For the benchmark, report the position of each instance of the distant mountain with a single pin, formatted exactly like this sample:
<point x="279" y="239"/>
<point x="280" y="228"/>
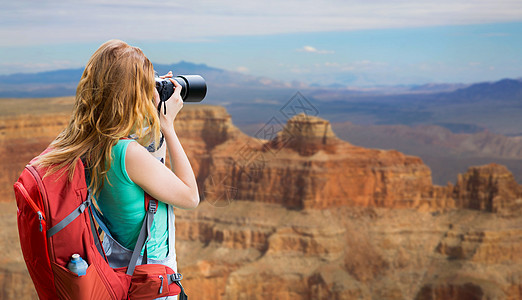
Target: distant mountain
<point x="437" y="87"/>
<point x="72" y="76"/>
<point x="63" y="82"/>
<point x="68" y="76"/>
<point x="495" y="106"/>
<point x="505" y="89"/>
<point x="44" y="84"/>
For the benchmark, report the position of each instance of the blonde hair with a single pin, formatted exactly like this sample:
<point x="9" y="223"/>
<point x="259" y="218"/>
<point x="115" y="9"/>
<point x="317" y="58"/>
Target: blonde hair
<point x="114" y="99"/>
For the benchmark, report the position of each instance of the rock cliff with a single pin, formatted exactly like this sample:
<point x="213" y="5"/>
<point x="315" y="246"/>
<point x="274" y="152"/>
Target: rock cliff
<point x="307" y="166"/>
<point x="252" y="250"/>
<point x="489" y="188"/>
<point x="22" y="138"/>
<point x="305" y="215"/>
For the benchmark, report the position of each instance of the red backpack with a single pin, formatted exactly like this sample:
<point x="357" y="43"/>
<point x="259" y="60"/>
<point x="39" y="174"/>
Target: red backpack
<point x="55" y="221"/>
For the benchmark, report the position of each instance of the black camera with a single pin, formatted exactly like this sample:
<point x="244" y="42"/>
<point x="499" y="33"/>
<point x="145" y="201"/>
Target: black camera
<point x="194" y="88"/>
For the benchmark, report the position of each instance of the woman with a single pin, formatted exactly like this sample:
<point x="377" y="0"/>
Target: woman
<point x="116" y="98"/>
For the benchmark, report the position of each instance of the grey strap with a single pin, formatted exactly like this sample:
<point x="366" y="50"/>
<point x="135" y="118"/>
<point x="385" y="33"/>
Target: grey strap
<point x="71" y="217"/>
<point x="144" y="236"/>
<point x="182" y="295"/>
<point x="176" y="278"/>
<point x="100" y="220"/>
<point x="96" y="234"/>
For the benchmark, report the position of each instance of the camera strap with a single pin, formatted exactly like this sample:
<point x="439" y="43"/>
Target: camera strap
<point x="164" y="107"/>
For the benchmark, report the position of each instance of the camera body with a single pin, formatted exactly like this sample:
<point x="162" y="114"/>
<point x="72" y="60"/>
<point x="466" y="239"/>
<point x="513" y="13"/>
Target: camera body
<point x="194" y="88"/>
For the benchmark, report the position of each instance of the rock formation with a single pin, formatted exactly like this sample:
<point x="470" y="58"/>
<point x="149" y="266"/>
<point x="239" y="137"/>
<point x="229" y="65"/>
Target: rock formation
<point x="306" y="215"/>
<point x="306" y="135"/>
<point x="307" y="166"/>
<point x="489" y="188"/>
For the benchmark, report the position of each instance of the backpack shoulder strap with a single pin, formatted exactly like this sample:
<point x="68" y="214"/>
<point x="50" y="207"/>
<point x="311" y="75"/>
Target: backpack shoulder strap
<point x="144" y="235"/>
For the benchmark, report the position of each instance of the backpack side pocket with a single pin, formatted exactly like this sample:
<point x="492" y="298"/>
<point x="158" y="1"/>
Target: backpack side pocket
<point x="71" y="286"/>
<point x="152" y="281"/>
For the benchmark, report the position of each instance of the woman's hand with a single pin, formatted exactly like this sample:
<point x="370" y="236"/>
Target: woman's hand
<point x="168" y="75"/>
<point x="173" y="105"/>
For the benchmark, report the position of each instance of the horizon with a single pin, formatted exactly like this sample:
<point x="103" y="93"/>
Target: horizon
<point x="348" y="43"/>
<point x="389" y="88"/>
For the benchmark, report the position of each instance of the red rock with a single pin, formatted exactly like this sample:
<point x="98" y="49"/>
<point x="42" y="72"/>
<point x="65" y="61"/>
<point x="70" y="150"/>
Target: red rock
<point x="489" y="188"/>
<point x="306" y="166"/>
<point x="307" y="215"/>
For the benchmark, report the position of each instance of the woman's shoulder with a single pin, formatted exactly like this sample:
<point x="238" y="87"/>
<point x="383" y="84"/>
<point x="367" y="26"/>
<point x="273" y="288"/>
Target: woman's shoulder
<point x="122" y="145"/>
<point x="125" y="142"/>
<point x="134" y="153"/>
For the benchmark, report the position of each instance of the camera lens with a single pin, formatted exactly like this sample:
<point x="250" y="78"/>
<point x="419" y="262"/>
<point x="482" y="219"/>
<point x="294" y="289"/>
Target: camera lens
<point x="194" y="88"/>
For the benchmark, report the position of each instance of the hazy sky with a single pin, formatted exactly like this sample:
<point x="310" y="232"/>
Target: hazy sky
<point x="359" y="43"/>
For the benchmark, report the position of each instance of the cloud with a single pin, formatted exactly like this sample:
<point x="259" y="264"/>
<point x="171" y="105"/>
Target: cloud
<point x="311" y="49"/>
<point x="53" y="21"/>
<point x="242" y="69"/>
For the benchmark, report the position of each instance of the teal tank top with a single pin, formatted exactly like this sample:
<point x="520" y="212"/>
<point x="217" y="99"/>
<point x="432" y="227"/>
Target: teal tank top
<point x="121" y="202"/>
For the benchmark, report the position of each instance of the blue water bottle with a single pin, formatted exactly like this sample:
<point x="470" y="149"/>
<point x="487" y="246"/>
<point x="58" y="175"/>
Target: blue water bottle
<point x="77" y="265"/>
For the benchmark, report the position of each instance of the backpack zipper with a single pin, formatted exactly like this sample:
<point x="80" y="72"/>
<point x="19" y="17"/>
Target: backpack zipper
<point x="33" y="205"/>
<point x="40" y="217"/>
<point x="45" y="205"/>
<point x="161" y="284"/>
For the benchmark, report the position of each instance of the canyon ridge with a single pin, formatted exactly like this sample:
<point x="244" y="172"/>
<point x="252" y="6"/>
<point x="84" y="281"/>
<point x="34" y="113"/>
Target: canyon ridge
<point x="304" y="214"/>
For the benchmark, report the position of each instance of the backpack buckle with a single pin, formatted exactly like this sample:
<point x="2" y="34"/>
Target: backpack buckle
<point x="153" y="206"/>
<point x="175" y="277"/>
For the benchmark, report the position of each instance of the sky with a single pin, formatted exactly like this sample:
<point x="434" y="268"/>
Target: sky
<point x="351" y="42"/>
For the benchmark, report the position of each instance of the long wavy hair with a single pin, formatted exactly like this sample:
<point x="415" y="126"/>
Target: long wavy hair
<point x="114" y="99"/>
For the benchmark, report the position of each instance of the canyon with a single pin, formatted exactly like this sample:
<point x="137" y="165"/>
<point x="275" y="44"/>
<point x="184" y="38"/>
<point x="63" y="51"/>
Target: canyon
<point x="445" y="152"/>
<point x="304" y="214"/>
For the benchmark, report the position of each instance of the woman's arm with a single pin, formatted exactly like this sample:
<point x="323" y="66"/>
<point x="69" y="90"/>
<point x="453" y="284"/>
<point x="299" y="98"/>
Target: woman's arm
<point x="177" y="187"/>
